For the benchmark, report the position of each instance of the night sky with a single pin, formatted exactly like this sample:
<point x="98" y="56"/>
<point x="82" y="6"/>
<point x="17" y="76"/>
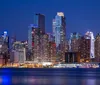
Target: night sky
<point x="17" y="15"/>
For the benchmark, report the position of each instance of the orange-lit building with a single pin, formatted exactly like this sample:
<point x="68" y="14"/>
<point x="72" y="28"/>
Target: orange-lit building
<point x="97" y="48"/>
<point x="52" y="51"/>
<point x="85" y="50"/>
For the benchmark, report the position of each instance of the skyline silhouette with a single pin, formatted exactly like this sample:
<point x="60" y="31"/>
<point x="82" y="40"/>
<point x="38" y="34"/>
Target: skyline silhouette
<point x="16" y="16"/>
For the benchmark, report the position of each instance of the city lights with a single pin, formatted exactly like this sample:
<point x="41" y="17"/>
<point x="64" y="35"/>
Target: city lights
<point x="51" y="50"/>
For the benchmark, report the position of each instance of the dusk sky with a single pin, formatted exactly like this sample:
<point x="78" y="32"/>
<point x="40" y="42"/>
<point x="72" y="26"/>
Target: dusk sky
<point x="17" y="15"/>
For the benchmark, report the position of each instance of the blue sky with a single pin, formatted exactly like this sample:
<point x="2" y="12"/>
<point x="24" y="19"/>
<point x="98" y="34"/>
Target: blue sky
<point x="17" y="15"/>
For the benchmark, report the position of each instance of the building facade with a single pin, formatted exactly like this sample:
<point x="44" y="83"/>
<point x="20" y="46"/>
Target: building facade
<point x="85" y="47"/>
<point x="18" y="52"/>
<point x="4" y="48"/>
<point x="45" y="48"/>
<point x="67" y="46"/>
<point x="97" y="48"/>
<point x="59" y="29"/>
<point x="59" y="33"/>
<point x="72" y="57"/>
<point x="36" y="44"/>
<point x="75" y="39"/>
<point x="89" y="35"/>
<point x="40" y="45"/>
<point x="39" y="21"/>
<point x="52" y="51"/>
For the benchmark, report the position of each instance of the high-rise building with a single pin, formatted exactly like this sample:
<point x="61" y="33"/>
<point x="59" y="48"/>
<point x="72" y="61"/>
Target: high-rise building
<point x="75" y="42"/>
<point x="39" y="21"/>
<point x="72" y="57"/>
<point x="30" y="36"/>
<point x="54" y="27"/>
<point x="51" y="37"/>
<point x="38" y="42"/>
<point x="52" y="51"/>
<point x="36" y="45"/>
<point x="45" y="48"/>
<point x="85" y="49"/>
<point x="97" y="48"/>
<point x="89" y="35"/>
<point x="67" y="46"/>
<point x="59" y="33"/>
<point x="31" y="33"/>
<point x="4" y="47"/>
<point x="59" y="29"/>
<point x="2" y="57"/>
<point x="19" y="52"/>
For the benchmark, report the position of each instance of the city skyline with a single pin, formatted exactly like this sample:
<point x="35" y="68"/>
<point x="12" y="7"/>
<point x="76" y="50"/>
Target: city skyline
<point x="50" y="42"/>
<point x="79" y="17"/>
<point x="44" y="47"/>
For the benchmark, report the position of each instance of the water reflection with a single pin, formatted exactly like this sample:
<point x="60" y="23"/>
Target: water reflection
<point x="64" y="78"/>
<point x="30" y="80"/>
<point x="91" y="82"/>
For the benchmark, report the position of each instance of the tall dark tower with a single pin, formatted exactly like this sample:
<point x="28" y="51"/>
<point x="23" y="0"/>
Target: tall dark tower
<point x="39" y="21"/>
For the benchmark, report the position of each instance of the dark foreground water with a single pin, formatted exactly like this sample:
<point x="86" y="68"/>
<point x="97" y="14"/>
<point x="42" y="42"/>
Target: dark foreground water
<point x="48" y="76"/>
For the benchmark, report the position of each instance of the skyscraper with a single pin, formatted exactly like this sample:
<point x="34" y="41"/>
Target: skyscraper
<point x="30" y="37"/>
<point x="39" y="21"/>
<point x="59" y="29"/>
<point x="59" y="33"/>
<point x="19" y="52"/>
<point x="89" y="35"/>
<point x="4" y="46"/>
<point x="31" y="42"/>
<point x="52" y="51"/>
<point x="36" y="35"/>
<point x="97" y="48"/>
<point x="85" y="49"/>
<point x="45" y="48"/>
<point x="67" y="46"/>
<point x="75" y="42"/>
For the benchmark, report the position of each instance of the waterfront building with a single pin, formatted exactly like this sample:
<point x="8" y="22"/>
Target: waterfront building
<point x="52" y="51"/>
<point x="36" y="44"/>
<point x="72" y="57"/>
<point x="30" y="37"/>
<point x="31" y="33"/>
<point x="2" y="60"/>
<point x="59" y="33"/>
<point x="97" y="48"/>
<point x="75" y="42"/>
<point x="89" y="35"/>
<point x="4" y="47"/>
<point x="18" y="52"/>
<point x="59" y="28"/>
<point x="39" y="43"/>
<point x="67" y="46"/>
<point x="45" y="48"/>
<point x="85" y="49"/>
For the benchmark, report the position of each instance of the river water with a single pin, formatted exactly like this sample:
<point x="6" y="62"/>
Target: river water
<point x="48" y="76"/>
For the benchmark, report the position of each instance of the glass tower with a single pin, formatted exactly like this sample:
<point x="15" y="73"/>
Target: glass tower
<point x="59" y="29"/>
<point x="91" y="37"/>
<point x="39" y="21"/>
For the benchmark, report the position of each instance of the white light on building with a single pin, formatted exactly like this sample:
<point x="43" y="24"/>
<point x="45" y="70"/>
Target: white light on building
<point x="60" y="14"/>
<point x="90" y="34"/>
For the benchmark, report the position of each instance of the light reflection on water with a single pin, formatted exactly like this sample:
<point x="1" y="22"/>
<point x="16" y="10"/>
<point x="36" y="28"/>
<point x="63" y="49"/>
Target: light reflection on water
<point x="30" y="80"/>
<point x="73" y="79"/>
